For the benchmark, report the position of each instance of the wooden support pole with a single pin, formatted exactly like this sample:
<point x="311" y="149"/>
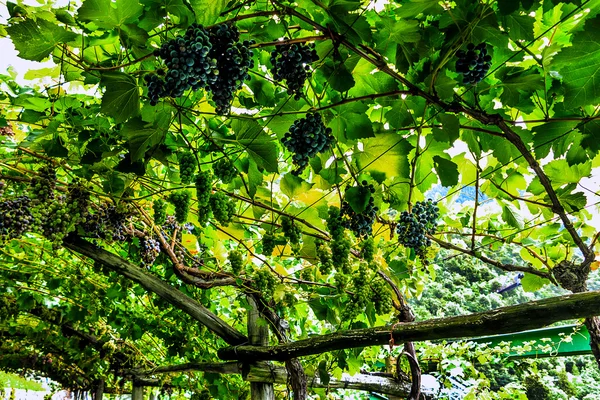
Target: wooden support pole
<point x="99" y="392"/>
<point x="258" y="335"/>
<point x="137" y="392"/>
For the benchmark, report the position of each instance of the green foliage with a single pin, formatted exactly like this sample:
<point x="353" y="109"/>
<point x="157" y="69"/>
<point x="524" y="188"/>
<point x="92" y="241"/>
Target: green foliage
<point x="329" y="140"/>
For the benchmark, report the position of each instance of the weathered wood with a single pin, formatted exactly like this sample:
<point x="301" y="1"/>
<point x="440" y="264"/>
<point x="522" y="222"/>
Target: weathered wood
<point x="99" y="392"/>
<point x="531" y="315"/>
<point x="258" y="334"/>
<point x="156" y="285"/>
<point x="137" y="393"/>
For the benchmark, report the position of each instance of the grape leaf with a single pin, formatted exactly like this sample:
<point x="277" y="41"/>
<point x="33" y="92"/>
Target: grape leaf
<point x="121" y="99"/>
<point x="141" y="136"/>
<point x="447" y="171"/>
<point x="579" y="66"/>
<point x="259" y="145"/>
<point x="511" y="216"/>
<point x="358" y="197"/>
<point x="351" y="122"/>
<point x="387" y="154"/>
<point x="207" y="11"/>
<point x="108" y="15"/>
<point x="35" y="39"/>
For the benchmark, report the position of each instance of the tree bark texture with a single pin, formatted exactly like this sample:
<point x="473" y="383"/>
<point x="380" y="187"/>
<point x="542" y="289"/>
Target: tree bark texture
<point x="531" y="315"/>
<point x="259" y="335"/>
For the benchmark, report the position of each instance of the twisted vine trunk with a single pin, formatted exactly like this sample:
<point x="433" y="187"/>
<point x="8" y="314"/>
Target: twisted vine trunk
<point x="573" y="277"/>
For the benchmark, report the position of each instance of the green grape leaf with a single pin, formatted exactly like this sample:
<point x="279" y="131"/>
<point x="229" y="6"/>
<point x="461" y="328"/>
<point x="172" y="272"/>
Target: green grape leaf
<point x="387" y="154"/>
<point x="351" y="122"/>
<point x="358" y="197"/>
<point x="560" y="172"/>
<point x="255" y="178"/>
<point x="292" y="185"/>
<point x="208" y="11"/>
<point x="338" y="76"/>
<point x="121" y="100"/>
<point x="579" y="66"/>
<point x="511" y="216"/>
<point x="141" y="136"/>
<point x="533" y="283"/>
<point x="447" y="171"/>
<point x="259" y="145"/>
<point x="323" y="373"/>
<point x="108" y="15"/>
<point x="449" y="131"/>
<point x="35" y="39"/>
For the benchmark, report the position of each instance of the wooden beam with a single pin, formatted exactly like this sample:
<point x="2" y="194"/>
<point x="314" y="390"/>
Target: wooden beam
<point x="155" y="285"/>
<point x="517" y="318"/>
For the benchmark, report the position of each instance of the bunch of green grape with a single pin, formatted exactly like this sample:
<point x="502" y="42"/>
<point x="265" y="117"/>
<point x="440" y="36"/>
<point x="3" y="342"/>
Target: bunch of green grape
<point x="222" y="208"/>
<point x="181" y="201"/>
<point x="187" y="167"/>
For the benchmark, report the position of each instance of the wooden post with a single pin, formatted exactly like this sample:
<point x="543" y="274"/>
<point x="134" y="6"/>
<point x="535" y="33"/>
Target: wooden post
<point x="258" y="335"/>
<point x="99" y="392"/>
<point x="137" y="393"/>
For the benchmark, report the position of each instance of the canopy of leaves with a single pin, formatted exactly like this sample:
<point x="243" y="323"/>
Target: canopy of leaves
<point x="100" y="234"/>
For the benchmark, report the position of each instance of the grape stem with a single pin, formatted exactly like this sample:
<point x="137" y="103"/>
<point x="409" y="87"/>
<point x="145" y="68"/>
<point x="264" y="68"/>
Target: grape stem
<point x="289" y="41"/>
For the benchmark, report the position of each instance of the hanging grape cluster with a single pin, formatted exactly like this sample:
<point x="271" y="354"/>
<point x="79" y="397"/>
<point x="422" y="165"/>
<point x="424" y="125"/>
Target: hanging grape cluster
<point x="340" y="245"/>
<point x="414" y="226"/>
<point x="367" y="250"/>
<point x="15" y="217"/>
<point x="380" y="295"/>
<point x="268" y="244"/>
<point x="360" y="223"/>
<point x="324" y="256"/>
<point x="61" y="216"/>
<point x="159" y="207"/>
<point x="290" y="62"/>
<point x="264" y="282"/>
<point x="224" y="170"/>
<point x="2" y="187"/>
<point x="236" y="261"/>
<point x="181" y="201"/>
<point x="149" y="250"/>
<point x="233" y="59"/>
<point x="291" y="232"/>
<point x="306" y="138"/>
<point x="473" y="63"/>
<point x="203" y="185"/>
<point x="187" y="167"/>
<point x="108" y="222"/>
<point x="222" y="208"/>
<point x="44" y="184"/>
<point x="189" y="65"/>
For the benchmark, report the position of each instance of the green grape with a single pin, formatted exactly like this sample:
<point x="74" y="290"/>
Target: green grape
<point x="160" y="211"/>
<point x="325" y="261"/>
<point x="367" y="251"/>
<point x="268" y="244"/>
<point x="380" y="296"/>
<point x="236" y="261"/>
<point x="224" y="170"/>
<point x="187" y="167"/>
<point x="204" y="213"/>
<point x="181" y="201"/>
<point x="290" y="230"/>
<point x="264" y="282"/>
<point x="222" y="207"/>
<point x="340" y="250"/>
<point x="307" y="274"/>
<point x="289" y="299"/>
<point x="43" y="185"/>
<point x="334" y="223"/>
<point x="203" y="187"/>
